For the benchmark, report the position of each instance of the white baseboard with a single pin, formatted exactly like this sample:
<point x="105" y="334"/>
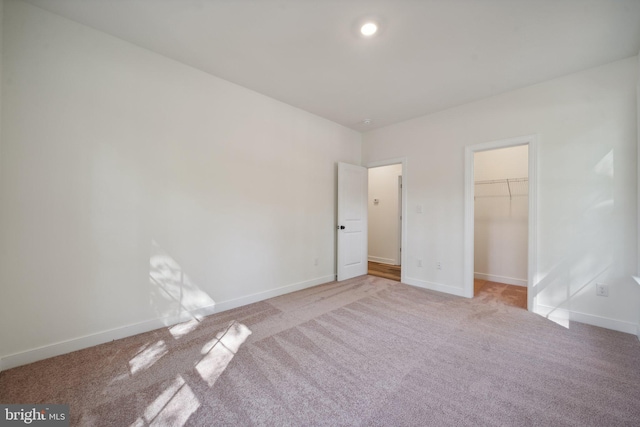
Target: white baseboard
<point x="637" y="279"/>
<point x="501" y="279"/>
<point x="79" y="343"/>
<point x="261" y="296"/>
<point x="562" y="315"/>
<point x="67" y="346"/>
<point x="382" y="260"/>
<point x="433" y="286"/>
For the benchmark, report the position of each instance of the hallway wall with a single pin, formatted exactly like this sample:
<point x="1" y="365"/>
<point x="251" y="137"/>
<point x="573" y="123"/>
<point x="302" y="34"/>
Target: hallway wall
<point x="384" y="221"/>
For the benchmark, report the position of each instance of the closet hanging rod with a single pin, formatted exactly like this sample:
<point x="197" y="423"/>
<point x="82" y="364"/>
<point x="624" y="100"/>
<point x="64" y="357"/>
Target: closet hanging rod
<point x="502" y="181"/>
<point x="506" y="187"/>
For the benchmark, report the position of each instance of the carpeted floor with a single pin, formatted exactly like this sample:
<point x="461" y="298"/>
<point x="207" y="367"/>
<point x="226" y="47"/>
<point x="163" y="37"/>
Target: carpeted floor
<point x="368" y="351"/>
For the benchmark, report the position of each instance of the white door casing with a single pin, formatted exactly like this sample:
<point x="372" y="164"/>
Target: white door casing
<point x="400" y="219"/>
<point x="352" y="221"/>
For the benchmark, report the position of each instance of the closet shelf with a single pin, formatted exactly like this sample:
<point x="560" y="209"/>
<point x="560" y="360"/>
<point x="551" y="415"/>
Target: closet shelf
<point x="512" y="187"/>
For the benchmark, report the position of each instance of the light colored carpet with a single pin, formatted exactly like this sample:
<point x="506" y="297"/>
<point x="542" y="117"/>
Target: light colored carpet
<point x="368" y="351"/>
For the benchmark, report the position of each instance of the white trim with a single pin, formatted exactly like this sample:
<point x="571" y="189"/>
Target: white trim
<point x="638" y="172"/>
<point x="405" y="185"/>
<point x="433" y="286"/>
<point x="383" y="260"/>
<point x="638" y="183"/>
<point x="388" y="162"/>
<point x="637" y="278"/>
<point x="532" y="271"/>
<point x="531" y="141"/>
<point x="400" y="220"/>
<point x="79" y="343"/>
<point x="261" y="296"/>
<point x="500" y="279"/>
<point x="1" y="72"/>
<point x="574" y="316"/>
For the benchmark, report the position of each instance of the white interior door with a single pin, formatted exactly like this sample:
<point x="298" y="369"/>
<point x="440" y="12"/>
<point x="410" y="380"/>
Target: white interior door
<point x="352" y="221"/>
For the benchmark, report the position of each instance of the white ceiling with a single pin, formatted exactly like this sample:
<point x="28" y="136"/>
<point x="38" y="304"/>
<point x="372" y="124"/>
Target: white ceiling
<point x="429" y="56"/>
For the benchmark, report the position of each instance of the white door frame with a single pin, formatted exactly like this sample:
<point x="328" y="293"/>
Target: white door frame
<point x="469" y="212"/>
<point x="401" y="219"/>
<point x="403" y="162"/>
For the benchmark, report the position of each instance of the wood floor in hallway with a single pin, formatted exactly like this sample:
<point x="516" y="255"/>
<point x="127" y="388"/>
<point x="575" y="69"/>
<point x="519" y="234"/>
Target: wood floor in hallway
<point x="387" y="271"/>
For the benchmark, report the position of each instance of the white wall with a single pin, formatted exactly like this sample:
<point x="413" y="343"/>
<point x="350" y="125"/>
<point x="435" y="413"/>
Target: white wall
<point x="501" y="163"/>
<point x="384" y="217"/>
<point x="501" y="216"/>
<point x="2" y="292"/>
<point x="586" y="128"/>
<point x="136" y="189"/>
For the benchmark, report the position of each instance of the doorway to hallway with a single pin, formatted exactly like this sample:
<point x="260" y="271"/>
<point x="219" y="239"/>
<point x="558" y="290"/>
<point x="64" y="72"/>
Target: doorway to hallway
<point x="384" y="207"/>
<point x="392" y="272"/>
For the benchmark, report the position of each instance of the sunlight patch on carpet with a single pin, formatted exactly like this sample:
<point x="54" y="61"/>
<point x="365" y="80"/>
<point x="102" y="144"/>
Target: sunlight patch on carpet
<point x="172" y="407"/>
<point x="147" y="357"/>
<point x="182" y="329"/>
<point x="219" y="352"/>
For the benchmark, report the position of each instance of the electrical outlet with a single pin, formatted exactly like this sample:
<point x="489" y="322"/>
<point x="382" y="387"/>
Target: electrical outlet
<point x="602" y="290"/>
<point x="438" y="265"/>
<point x="419" y="263"/>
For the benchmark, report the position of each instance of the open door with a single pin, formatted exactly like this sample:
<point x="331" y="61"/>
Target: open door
<point x="352" y="221"/>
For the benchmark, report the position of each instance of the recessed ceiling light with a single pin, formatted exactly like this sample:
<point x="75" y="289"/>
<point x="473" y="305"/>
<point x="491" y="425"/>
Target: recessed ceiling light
<point x="368" y="26"/>
<point x="369" y="29"/>
<point x="367" y="121"/>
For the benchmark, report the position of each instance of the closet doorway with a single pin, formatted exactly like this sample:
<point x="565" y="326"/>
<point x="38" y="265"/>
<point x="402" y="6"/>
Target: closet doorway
<point x="385" y="221"/>
<point x="501" y="205"/>
<point x="500" y="237"/>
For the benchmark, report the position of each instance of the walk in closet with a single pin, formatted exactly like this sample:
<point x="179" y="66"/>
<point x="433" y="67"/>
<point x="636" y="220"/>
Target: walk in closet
<point x="501" y="193"/>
